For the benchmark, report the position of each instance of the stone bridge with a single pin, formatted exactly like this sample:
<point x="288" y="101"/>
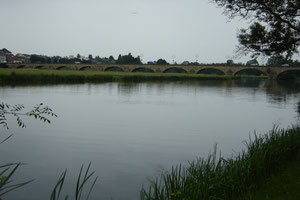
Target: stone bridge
<point x="271" y="72"/>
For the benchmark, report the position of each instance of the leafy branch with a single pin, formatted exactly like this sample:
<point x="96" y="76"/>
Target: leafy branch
<point x="38" y="112"/>
<point x="7" y="171"/>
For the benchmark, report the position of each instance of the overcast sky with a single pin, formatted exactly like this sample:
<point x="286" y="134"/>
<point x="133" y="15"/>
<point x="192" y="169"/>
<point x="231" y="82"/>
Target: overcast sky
<point x="151" y="28"/>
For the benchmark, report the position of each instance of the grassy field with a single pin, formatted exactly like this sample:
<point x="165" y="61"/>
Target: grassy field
<point x="17" y="76"/>
<point x="244" y="176"/>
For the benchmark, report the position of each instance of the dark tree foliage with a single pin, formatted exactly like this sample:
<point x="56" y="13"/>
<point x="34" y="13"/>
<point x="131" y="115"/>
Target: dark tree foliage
<point x="279" y="60"/>
<point x="276" y="61"/>
<point x="111" y="58"/>
<point x="128" y="59"/>
<point x="161" y="62"/>
<point x="229" y="62"/>
<point x="39" y="59"/>
<point x="275" y="25"/>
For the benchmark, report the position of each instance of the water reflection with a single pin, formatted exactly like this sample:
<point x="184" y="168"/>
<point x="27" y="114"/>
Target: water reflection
<point x="132" y="131"/>
<point x="277" y="92"/>
<point x="298" y="108"/>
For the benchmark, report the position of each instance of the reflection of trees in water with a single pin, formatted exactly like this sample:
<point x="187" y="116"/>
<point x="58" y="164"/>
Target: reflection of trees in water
<point x="298" y="108"/>
<point x="277" y="93"/>
<point x="282" y="91"/>
<point x="130" y="88"/>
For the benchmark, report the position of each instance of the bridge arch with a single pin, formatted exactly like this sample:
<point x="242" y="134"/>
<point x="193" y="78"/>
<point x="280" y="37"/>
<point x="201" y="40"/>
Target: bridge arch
<point x="211" y="71"/>
<point x="175" y="70"/>
<point x="39" y="67"/>
<point x="143" y="69"/>
<point x="85" y="68"/>
<point x="289" y="74"/>
<point x="114" y="69"/>
<point x="20" y="66"/>
<point x="250" y="72"/>
<point x="62" y="67"/>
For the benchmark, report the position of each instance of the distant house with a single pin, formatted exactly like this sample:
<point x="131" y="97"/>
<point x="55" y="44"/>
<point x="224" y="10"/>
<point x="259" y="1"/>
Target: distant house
<point x="23" y="58"/>
<point x="2" y="59"/>
<point x="5" y="52"/>
<point x="11" y="59"/>
<point x="17" y="59"/>
<point x="5" y="55"/>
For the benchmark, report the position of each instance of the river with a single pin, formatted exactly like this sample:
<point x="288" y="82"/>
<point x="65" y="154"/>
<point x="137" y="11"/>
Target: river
<point x="133" y="131"/>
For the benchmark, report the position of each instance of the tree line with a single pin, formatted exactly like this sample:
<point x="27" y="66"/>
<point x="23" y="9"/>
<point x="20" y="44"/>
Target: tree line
<point x="275" y="60"/>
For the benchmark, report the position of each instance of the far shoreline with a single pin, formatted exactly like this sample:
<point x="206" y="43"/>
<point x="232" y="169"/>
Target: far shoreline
<point x="40" y="76"/>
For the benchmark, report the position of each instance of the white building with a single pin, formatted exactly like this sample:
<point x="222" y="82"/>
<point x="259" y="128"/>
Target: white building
<point x="2" y="59"/>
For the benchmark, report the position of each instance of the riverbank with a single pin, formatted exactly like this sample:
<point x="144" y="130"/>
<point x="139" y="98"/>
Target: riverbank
<point x="19" y="76"/>
<point x="239" y="177"/>
<point x="282" y="185"/>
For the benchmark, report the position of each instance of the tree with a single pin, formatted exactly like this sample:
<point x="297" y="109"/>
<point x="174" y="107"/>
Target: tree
<point x="120" y="59"/>
<point x="276" y="61"/>
<point x="275" y="29"/>
<point x="38" y="59"/>
<point x="295" y="63"/>
<point x="111" y="58"/>
<point x="90" y="57"/>
<point x="229" y="62"/>
<point x="128" y="59"/>
<point x="161" y="62"/>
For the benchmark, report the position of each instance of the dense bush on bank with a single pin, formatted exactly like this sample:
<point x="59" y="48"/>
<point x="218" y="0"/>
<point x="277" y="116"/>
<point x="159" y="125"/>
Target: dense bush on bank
<point x="228" y="178"/>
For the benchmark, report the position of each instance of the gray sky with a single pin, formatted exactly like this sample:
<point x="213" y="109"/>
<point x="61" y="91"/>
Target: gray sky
<point x="152" y="28"/>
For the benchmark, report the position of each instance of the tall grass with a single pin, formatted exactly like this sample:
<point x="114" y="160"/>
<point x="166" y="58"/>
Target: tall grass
<point x="6" y="182"/>
<point x="81" y="182"/>
<point x="11" y="76"/>
<point x="216" y="177"/>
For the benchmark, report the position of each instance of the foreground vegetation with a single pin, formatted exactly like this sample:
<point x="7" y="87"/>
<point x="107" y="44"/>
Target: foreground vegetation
<point x="238" y="177"/>
<point x="283" y="185"/>
<point x="19" y="76"/>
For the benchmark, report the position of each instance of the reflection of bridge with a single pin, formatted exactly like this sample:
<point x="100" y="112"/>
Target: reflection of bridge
<point x="271" y="72"/>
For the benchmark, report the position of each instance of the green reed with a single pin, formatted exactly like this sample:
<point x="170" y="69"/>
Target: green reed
<point x="216" y="177"/>
<point x="82" y="180"/>
<point x="20" y="76"/>
<point x="6" y="182"/>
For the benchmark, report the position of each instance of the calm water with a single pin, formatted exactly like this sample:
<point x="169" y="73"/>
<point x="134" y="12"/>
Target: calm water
<point x="131" y="132"/>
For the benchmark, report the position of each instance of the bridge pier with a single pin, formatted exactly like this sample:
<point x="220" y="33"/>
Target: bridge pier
<point x="272" y="74"/>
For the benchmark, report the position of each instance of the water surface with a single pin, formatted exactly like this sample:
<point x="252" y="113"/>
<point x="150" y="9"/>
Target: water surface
<point x="133" y="131"/>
